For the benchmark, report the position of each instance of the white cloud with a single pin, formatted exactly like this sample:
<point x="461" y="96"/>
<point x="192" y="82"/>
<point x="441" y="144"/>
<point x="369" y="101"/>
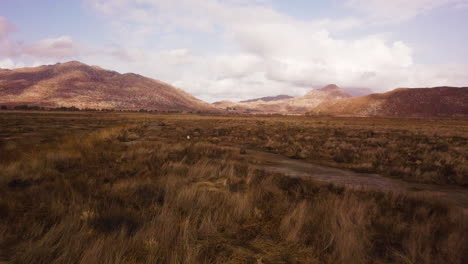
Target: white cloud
<point x="462" y="5"/>
<point x="269" y="52"/>
<point x="60" y="47"/>
<point x="6" y="28"/>
<point x="385" y="11"/>
<point x="10" y="64"/>
<point x="272" y="52"/>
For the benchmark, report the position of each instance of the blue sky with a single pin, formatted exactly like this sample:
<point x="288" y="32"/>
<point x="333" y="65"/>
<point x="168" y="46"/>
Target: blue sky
<point x="238" y="49"/>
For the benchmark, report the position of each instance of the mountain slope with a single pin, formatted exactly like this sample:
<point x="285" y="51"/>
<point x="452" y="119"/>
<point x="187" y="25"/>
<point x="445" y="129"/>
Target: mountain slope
<point x="295" y="105"/>
<point x="77" y="84"/>
<point x="268" y="98"/>
<point x="403" y="102"/>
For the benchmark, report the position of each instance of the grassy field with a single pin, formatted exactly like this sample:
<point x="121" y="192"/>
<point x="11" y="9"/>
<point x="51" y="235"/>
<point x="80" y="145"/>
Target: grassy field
<point x="132" y="188"/>
<point x="427" y="151"/>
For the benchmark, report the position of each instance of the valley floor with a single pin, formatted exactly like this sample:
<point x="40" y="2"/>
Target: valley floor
<point x="141" y="188"/>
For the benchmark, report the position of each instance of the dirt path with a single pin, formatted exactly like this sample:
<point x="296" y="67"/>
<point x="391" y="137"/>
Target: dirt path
<point x="297" y="168"/>
<point x="454" y="195"/>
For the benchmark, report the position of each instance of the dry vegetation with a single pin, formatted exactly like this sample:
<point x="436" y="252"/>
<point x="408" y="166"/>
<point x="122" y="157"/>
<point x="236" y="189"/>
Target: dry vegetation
<point x="138" y="194"/>
<point x="23" y="133"/>
<point x="428" y="151"/>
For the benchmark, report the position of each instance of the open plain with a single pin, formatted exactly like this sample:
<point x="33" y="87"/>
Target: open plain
<point x="95" y="187"/>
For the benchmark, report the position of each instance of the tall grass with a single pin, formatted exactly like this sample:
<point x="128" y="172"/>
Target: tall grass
<point x="427" y="151"/>
<point x="115" y="198"/>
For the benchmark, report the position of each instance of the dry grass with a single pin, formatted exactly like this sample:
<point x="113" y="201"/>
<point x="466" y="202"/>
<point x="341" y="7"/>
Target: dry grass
<point x="110" y="197"/>
<point x="428" y="151"/>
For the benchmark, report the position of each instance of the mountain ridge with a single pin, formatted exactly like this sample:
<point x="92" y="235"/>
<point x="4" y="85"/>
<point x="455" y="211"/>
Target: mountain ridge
<point x="77" y="84"/>
<point x="401" y="102"/>
<point x="268" y="98"/>
<point x="294" y="105"/>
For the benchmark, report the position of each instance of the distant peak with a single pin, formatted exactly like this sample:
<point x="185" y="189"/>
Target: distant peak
<point x="223" y="102"/>
<point x="329" y="90"/>
<point x="132" y="74"/>
<point x="269" y="98"/>
<point x="72" y="63"/>
<point x="329" y="87"/>
<point x="75" y="65"/>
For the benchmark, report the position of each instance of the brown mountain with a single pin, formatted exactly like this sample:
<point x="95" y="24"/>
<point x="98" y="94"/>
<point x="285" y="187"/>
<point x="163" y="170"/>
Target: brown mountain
<point x="402" y="102"/>
<point x="356" y="91"/>
<point x="77" y="84"/>
<point x="295" y="105"/>
<point x="269" y="98"/>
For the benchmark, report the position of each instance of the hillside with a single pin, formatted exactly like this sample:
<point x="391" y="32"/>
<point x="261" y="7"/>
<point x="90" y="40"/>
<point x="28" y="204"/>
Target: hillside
<point x="402" y="102"/>
<point x="295" y="105"/>
<point x="269" y="98"/>
<point x="83" y="86"/>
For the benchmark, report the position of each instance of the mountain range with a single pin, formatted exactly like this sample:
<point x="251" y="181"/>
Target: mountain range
<point x="83" y="86"/>
<point x="294" y="105"/>
<point x="79" y="85"/>
<point x="269" y="98"/>
<point x="402" y="102"/>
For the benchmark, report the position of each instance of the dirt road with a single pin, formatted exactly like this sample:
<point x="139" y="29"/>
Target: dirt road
<point x="296" y="168"/>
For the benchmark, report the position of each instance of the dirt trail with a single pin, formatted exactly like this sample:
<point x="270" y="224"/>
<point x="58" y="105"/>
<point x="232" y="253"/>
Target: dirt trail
<point x="455" y="195"/>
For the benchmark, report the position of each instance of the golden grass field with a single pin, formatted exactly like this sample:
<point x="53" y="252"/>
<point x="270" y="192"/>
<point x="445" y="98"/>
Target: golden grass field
<point x="132" y="188"/>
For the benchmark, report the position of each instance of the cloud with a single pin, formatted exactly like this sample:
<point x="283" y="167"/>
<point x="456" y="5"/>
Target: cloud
<point x="60" y="47"/>
<point x="10" y="64"/>
<point x="51" y="48"/>
<point x="462" y="5"/>
<point x="6" y="45"/>
<point x="267" y="52"/>
<point x="167" y="57"/>
<point x="384" y="11"/>
<point x="6" y="28"/>
<point x="271" y="52"/>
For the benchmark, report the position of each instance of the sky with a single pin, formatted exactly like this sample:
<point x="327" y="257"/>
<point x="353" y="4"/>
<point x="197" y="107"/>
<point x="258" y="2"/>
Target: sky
<point x="242" y="49"/>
